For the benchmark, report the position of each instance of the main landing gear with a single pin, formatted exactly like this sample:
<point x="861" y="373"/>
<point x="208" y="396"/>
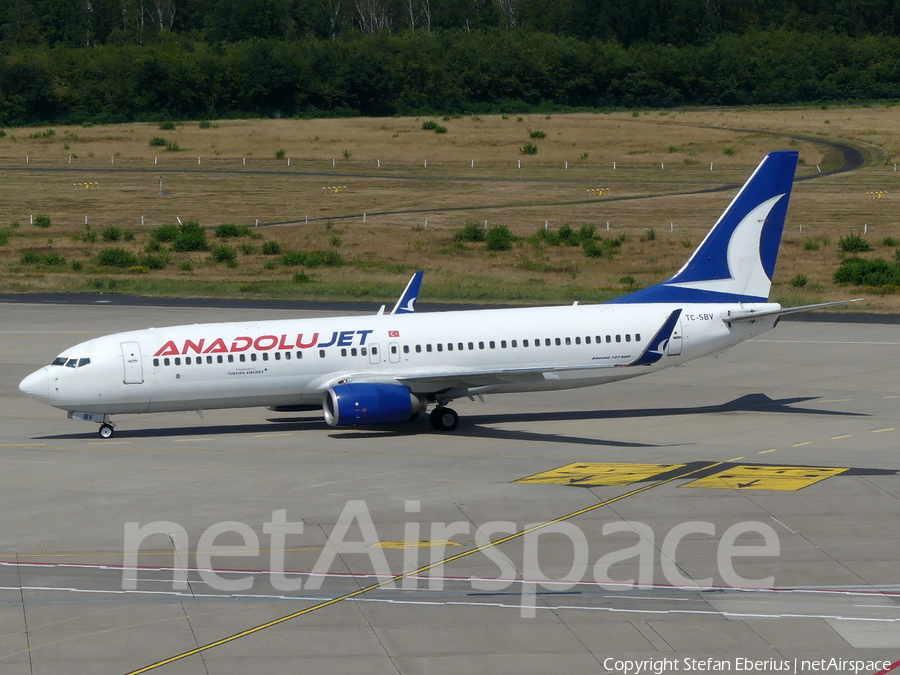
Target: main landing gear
<point x="443" y="419"/>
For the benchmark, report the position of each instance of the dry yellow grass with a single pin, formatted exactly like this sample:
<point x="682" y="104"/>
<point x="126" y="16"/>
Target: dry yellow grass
<point x="448" y="192"/>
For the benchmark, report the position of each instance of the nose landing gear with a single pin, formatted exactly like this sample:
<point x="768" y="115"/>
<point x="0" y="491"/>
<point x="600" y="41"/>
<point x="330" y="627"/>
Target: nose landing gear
<point x="107" y="431"/>
<point x="107" y="426"/>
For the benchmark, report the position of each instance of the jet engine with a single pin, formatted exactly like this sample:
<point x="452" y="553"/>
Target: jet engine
<point x="354" y="404"/>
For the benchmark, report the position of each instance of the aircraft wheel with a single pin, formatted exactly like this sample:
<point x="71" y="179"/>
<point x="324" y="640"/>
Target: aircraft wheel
<point x="444" y="419"/>
<point x="106" y="431"/>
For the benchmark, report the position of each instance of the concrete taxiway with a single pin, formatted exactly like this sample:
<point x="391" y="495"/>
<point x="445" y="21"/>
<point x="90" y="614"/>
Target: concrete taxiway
<point x="797" y="430"/>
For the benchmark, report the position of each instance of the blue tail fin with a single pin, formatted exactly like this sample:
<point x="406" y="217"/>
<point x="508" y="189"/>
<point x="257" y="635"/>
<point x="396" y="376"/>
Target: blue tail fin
<point x="736" y="260"/>
<point x="406" y="304"/>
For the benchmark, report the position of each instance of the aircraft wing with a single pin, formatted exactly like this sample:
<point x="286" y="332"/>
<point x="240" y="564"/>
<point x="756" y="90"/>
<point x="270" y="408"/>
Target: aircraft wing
<point x="652" y="353"/>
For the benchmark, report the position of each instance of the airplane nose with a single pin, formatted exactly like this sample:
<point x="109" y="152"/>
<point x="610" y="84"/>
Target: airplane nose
<point x="37" y="385"/>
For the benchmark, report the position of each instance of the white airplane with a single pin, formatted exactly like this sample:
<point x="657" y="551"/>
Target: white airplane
<point x="387" y="368"/>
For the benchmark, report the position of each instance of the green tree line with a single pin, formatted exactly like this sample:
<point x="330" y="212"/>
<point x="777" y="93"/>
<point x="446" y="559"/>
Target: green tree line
<point x="94" y="22"/>
<point x="421" y="72"/>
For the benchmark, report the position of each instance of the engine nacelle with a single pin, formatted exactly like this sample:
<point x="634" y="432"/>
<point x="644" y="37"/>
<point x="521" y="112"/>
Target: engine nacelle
<point x="353" y="404"/>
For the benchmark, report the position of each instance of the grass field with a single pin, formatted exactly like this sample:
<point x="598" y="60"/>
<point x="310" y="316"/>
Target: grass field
<point x="285" y="171"/>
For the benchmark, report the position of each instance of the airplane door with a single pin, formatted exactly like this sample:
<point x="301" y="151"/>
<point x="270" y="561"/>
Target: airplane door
<point x="674" y="346"/>
<point x="394" y="352"/>
<point x="374" y="354"/>
<point x="134" y="367"/>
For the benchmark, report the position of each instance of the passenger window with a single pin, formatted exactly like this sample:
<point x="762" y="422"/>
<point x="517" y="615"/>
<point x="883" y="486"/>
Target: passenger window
<point x="618" y="338"/>
<point x="299" y="355"/>
<point x="569" y="341"/>
<point x="321" y="353"/>
<point x="587" y="340"/>
<point x="156" y="362"/>
<point x="440" y="347"/>
<point x="460" y="346"/>
<point x="393" y="350"/>
<point x="374" y="350"/>
<point x="577" y="340"/>
<point x="627" y="337"/>
<point x="524" y="343"/>
<point x="480" y="345"/>
<point x="343" y="352"/>
<point x="406" y="349"/>
<point x="599" y="339"/>
<point x="427" y="348"/>
<point x="363" y="351"/>
<point x="514" y="344"/>
<point x="253" y="357"/>
<point x="503" y="344"/>
<point x="177" y="361"/>
<point x="265" y="356"/>
<point x="242" y="358"/>
<point x="277" y="357"/>
<point x="546" y="342"/>
<point x="492" y="344"/>
<point x="558" y="342"/>
<point x="166" y="362"/>
<point x="637" y="337"/>
<point x="187" y="360"/>
<point x="231" y="358"/>
<point x="608" y="339"/>
<point x="71" y="363"/>
<point x="287" y="356"/>
<point x="219" y="359"/>
<point x="353" y="351"/>
<point x="418" y="349"/>
<point x="449" y="346"/>
<point x="208" y="359"/>
<point x="471" y="346"/>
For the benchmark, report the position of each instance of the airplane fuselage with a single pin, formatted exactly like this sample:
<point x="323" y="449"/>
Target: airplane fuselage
<point x="292" y="362"/>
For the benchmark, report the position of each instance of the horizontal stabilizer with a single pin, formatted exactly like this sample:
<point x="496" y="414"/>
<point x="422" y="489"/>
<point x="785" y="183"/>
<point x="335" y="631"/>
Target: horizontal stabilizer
<point x="744" y="317"/>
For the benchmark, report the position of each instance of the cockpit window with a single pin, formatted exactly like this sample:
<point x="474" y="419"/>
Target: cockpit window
<point x="59" y="361"/>
<point x="83" y="362"/>
<point x="71" y="363"/>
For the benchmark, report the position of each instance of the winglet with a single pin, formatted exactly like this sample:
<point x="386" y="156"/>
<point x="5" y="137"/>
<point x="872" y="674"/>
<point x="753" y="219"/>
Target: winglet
<point x="736" y="260"/>
<point x="407" y="302"/>
<point x="656" y="349"/>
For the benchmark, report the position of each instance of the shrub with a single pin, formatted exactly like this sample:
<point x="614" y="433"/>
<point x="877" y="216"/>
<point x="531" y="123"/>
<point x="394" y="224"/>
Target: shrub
<point x="862" y="272"/>
<point x="204" y="124"/>
<point x="471" y="231"/>
<point x="247" y="248"/>
<point x="799" y="281"/>
<point x="592" y="249"/>
<point x="890" y="241"/>
<point x="301" y="278"/>
<point x="279" y="154"/>
<point x="224" y="254"/>
<point x="651" y="234"/>
<point x="853" y="243"/>
<point x="116" y="257"/>
<point x="87" y="236"/>
<point x="335" y="240"/>
<point x="730" y="151"/>
<point x="111" y="233"/>
<point x="588" y="231"/>
<point x="191" y="237"/>
<point x="314" y="259"/>
<point x="537" y="134"/>
<point x="165" y="233"/>
<point x="158" y="142"/>
<point x="186" y="266"/>
<point x="172" y="146"/>
<point x="153" y="247"/>
<point x="293" y="258"/>
<point x="30" y="257"/>
<point x="499" y="238"/>
<point x="77" y="266"/>
<point x="42" y="220"/>
<point x="167" y="125"/>
<point x="347" y="154"/>
<point x="429" y="125"/>
<point x="811" y="244"/>
<point x="333" y="259"/>
<point x="673" y="148"/>
<point x="53" y="259"/>
<point x="155" y="262"/>
<point x="227" y="230"/>
<point x="4" y="237"/>
<point x="529" y="149"/>
<point x="271" y="248"/>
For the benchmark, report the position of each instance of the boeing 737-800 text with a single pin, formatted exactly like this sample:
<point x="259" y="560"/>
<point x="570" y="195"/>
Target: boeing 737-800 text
<point x="387" y="368"/>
